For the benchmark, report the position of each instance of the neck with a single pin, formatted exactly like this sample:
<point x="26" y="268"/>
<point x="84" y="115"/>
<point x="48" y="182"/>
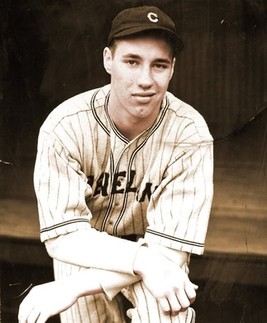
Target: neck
<point x="130" y="125"/>
<point x="131" y="131"/>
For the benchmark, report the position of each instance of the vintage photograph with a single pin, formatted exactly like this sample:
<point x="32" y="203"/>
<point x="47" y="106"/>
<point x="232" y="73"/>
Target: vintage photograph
<point x="133" y="158"/>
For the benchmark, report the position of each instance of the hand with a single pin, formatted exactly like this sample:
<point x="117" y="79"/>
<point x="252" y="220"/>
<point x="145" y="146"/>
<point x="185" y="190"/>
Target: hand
<point x="52" y="298"/>
<point x="166" y="281"/>
<point x="44" y="301"/>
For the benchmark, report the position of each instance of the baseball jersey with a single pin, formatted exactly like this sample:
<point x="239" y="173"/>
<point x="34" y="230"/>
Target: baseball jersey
<point x="158" y="185"/>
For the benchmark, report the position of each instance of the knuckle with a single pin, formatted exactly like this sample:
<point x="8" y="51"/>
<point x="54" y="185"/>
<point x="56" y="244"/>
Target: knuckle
<point x="185" y="304"/>
<point x="167" y="311"/>
<point x="175" y="312"/>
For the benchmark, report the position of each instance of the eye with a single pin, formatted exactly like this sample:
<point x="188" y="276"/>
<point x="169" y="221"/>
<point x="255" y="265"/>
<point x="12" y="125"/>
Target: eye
<point x="131" y="62"/>
<point x="161" y="66"/>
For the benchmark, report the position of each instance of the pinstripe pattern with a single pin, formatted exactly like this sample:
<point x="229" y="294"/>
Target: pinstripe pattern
<point x="158" y="185"/>
<point x="90" y="309"/>
<point x="147" y="310"/>
<point x="94" y="309"/>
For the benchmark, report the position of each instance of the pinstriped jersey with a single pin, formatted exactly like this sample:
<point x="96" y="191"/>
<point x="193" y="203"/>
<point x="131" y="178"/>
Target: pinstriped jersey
<point x="158" y="185"/>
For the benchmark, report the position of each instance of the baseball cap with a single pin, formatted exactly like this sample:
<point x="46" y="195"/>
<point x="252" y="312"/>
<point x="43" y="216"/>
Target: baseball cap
<point x="139" y="19"/>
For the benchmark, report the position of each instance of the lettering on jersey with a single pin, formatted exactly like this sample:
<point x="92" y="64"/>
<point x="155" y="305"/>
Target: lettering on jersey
<point x="146" y="192"/>
<point x="129" y="187"/>
<point x="118" y="187"/>
<point x="102" y="184"/>
<point x="117" y="183"/>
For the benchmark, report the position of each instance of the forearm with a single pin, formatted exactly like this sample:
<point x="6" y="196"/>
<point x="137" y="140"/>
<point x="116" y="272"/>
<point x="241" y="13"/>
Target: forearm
<point x="178" y="257"/>
<point x="113" y="282"/>
<point x="84" y="282"/>
<point x="90" y="248"/>
<point x="94" y="281"/>
<point x="147" y="256"/>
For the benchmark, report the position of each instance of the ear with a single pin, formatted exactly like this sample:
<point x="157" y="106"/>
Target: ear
<point x="107" y="59"/>
<point x="172" y="69"/>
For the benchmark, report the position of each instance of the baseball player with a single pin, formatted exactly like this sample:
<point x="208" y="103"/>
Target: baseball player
<point x="123" y="178"/>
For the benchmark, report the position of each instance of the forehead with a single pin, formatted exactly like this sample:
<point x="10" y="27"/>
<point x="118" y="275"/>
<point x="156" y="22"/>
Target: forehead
<point x="145" y="44"/>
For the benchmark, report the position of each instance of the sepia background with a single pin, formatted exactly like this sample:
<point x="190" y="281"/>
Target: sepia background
<point x="51" y="50"/>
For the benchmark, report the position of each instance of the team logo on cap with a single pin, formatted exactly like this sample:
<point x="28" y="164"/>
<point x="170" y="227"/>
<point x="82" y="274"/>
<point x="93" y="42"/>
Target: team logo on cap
<point x="153" y="17"/>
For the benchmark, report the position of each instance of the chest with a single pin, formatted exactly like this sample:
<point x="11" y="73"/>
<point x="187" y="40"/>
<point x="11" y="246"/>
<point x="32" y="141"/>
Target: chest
<point x="126" y="168"/>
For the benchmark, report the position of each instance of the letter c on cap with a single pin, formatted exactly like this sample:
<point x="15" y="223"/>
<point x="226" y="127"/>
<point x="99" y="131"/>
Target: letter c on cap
<point x="153" y="17"/>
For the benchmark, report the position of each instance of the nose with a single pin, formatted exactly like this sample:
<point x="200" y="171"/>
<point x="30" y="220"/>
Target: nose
<point x="145" y="78"/>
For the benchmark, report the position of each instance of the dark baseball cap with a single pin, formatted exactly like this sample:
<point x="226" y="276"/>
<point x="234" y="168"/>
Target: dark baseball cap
<point x="140" y="19"/>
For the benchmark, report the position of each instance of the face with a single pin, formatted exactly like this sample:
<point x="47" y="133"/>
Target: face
<point x="141" y="69"/>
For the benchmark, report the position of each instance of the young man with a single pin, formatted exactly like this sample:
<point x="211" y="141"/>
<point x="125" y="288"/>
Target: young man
<point x="123" y="179"/>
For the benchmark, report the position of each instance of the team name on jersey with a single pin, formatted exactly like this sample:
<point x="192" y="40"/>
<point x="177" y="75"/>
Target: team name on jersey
<point x="106" y="183"/>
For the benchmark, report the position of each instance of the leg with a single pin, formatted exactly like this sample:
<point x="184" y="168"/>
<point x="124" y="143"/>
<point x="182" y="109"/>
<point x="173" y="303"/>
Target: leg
<point x="147" y="310"/>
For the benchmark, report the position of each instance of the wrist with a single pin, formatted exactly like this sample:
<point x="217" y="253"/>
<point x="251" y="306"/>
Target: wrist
<point x="144" y="257"/>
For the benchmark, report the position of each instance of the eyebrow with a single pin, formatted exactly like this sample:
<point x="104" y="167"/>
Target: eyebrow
<point x="131" y="56"/>
<point x="159" y="60"/>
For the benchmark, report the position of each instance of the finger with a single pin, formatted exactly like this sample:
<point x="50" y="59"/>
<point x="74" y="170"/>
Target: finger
<point x="42" y="318"/>
<point x="164" y="304"/>
<point x="183" y="298"/>
<point x="26" y="307"/>
<point x="33" y="316"/>
<point x="190" y="290"/>
<point x="24" y="310"/>
<point x="174" y="305"/>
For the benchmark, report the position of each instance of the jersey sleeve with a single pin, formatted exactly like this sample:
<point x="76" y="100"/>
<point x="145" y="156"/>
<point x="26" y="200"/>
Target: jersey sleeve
<point x="179" y="210"/>
<point x="60" y="188"/>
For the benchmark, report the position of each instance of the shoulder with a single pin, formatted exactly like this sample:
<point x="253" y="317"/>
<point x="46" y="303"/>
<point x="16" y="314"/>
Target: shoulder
<point x="185" y="113"/>
<point x="77" y="105"/>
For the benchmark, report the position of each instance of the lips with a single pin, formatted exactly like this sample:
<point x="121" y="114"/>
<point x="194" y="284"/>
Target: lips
<point x="143" y="98"/>
<point x="144" y="94"/>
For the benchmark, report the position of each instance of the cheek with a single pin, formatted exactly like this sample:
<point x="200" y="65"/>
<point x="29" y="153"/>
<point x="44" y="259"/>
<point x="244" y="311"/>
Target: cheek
<point x="163" y="82"/>
<point x="121" y="76"/>
<point x="121" y="85"/>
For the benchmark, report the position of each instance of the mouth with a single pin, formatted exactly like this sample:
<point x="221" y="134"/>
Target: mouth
<point x="144" y="97"/>
<point x="144" y="94"/>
